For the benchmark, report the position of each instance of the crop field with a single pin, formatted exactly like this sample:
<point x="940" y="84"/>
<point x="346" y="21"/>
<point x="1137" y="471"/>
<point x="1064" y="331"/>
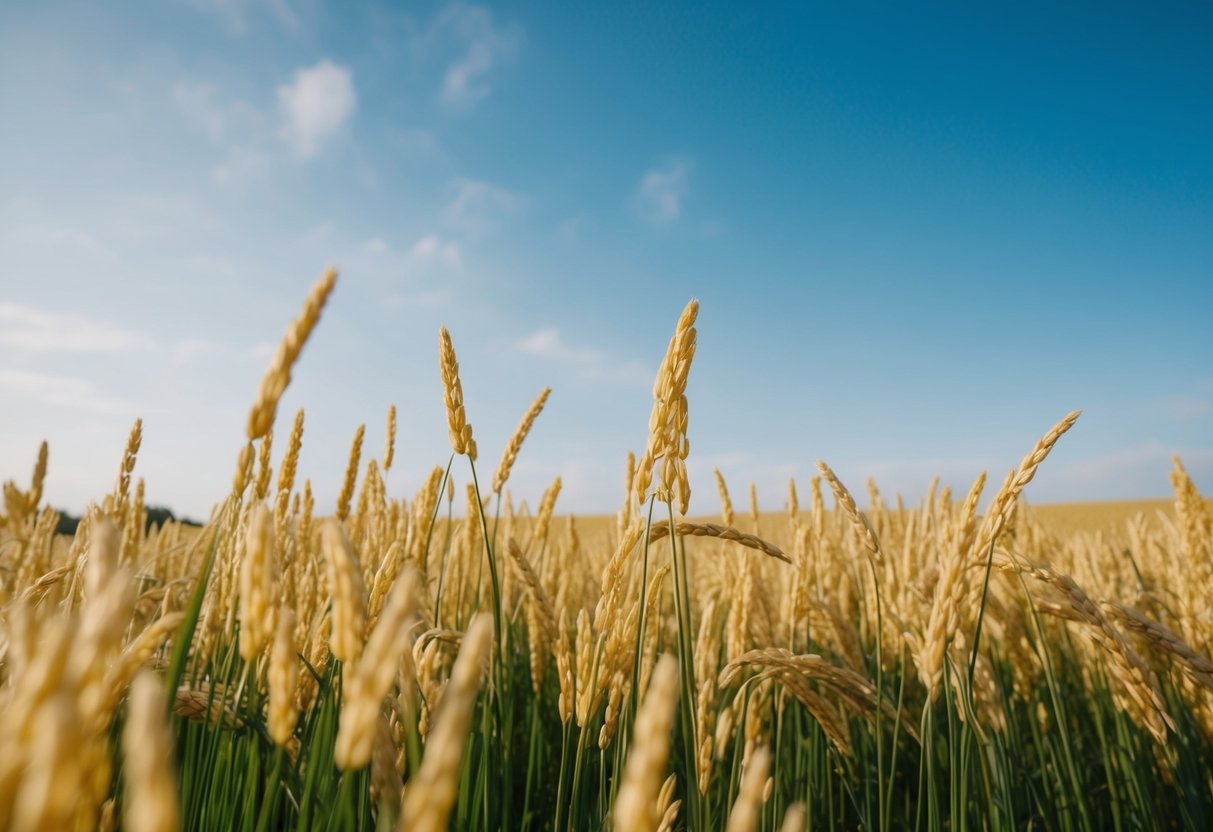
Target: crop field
<point x="454" y="659"/>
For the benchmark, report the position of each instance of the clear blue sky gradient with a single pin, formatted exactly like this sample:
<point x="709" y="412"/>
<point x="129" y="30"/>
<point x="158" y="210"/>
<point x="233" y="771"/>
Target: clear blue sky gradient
<point x="919" y="236"/>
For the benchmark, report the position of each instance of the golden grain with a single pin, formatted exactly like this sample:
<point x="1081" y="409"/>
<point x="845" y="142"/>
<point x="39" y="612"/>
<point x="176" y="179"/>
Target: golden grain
<point x="258" y="578"/>
<point x="278" y="375"/>
<point x="283" y="678"/>
<point x="458" y="429"/>
<point x="744" y="815"/>
<point x="661" y="529"/>
<point x="432" y="791"/>
<point x="345" y="587"/>
<point x="635" y="807"/>
<point x="515" y="444"/>
<point x="151" y="789"/>
<point x="367" y="682"/>
<point x="389" y="445"/>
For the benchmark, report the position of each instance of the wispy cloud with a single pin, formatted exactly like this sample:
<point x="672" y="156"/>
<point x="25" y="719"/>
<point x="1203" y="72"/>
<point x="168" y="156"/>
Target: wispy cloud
<point x="18" y="231"/>
<point x="235" y="14"/>
<point x="570" y="229"/>
<point x="190" y="348"/>
<point x="429" y="253"/>
<point x="478" y="207"/>
<point x="662" y="192"/>
<point x="236" y="126"/>
<point x="417" y="144"/>
<point x="482" y="45"/>
<point x="434" y="250"/>
<point x="912" y="476"/>
<point x="1187" y="406"/>
<point x="587" y="362"/>
<point x="33" y="330"/>
<point x="61" y="391"/>
<point x="430" y="297"/>
<point x="547" y="343"/>
<point x="316" y="105"/>
<point x="1141" y="468"/>
<point x="424" y="272"/>
<point x="205" y="349"/>
<point x="199" y="103"/>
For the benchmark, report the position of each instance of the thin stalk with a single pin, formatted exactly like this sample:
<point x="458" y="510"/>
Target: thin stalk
<point x="578" y="756"/>
<point x="500" y="674"/>
<point x="644" y="588"/>
<point x="429" y="536"/>
<point x="880" y="792"/>
<point x="185" y="635"/>
<point x="1077" y="796"/>
<point x="531" y="762"/>
<point x="901" y="692"/>
<point x="686" y="699"/>
<point x="561" y="801"/>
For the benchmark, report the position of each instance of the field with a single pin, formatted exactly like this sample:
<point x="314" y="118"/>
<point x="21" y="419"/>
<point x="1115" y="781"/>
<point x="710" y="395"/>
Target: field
<point x="453" y="661"/>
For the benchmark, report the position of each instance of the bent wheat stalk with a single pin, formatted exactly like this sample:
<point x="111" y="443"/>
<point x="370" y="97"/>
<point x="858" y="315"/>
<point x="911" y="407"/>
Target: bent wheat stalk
<point x="661" y="529"/>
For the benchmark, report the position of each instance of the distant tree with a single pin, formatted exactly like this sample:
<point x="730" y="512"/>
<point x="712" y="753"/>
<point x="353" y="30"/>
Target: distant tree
<point x="156" y="516"/>
<point x="67" y="524"/>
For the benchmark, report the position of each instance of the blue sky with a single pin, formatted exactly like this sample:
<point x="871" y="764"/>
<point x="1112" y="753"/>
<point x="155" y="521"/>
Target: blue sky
<point x="919" y="236"/>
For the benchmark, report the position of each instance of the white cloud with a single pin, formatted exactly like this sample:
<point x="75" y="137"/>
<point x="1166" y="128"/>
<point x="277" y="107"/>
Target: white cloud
<point x="235" y="125"/>
<point x="547" y="343"/>
<point x="570" y="229"/>
<point x="101" y="228"/>
<point x="431" y="255"/>
<point x="432" y="249"/>
<point x="417" y="271"/>
<point x="240" y="162"/>
<point x="1188" y="406"/>
<point x="1137" y="470"/>
<point x="50" y="236"/>
<point x="662" y="191"/>
<point x="197" y="103"/>
<point x="416" y="143"/>
<point x="190" y="349"/>
<point x="483" y="45"/>
<point x="263" y="350"/>
<point x="210" y="111"/>
<point x="234" y="14"/>
<point x="33" y="330"/>
<point x="479" y="207"/>
<point x="61" y="391"/>
<point x="316" y="105"/>
<point x="432" y="297"/>
<point x="587" y="362"/>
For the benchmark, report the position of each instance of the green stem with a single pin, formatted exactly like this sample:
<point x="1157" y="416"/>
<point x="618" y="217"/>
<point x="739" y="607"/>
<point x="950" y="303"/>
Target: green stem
<point x="881" y="820"/>
<point x="429" y="536"/>
<point x="644" y="588"/>
<point x="686" y="701"/>
<point x="561" y="799"/>
<point x="500" y="670"/>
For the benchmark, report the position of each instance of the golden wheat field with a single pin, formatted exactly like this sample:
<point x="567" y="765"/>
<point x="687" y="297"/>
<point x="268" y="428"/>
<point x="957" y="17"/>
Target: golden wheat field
<point x="454" y="659"/>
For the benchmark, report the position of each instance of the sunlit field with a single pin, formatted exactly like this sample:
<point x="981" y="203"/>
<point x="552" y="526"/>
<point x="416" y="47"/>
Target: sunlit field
<point x="471" y="658"/>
